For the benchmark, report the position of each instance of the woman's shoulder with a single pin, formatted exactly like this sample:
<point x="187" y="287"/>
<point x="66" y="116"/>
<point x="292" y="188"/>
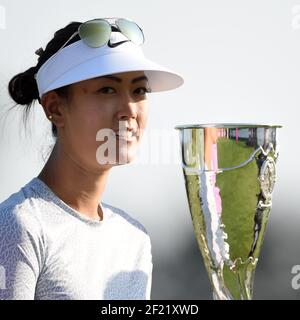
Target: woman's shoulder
<point x="126" y="217"/>
<point x="17" y="211"/>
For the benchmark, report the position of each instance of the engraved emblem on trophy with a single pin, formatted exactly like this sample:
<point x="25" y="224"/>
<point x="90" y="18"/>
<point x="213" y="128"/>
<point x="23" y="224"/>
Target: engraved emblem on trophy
<point x="229" y="173"/>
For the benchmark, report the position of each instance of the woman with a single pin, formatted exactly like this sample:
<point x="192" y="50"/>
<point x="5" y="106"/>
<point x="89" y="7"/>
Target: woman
<point x="57" y="239"/>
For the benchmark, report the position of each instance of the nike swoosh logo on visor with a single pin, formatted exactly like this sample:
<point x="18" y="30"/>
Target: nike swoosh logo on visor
<point x="113" y="45"/>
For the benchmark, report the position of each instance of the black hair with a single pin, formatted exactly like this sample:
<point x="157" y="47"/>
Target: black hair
<point x="23" y="87"/>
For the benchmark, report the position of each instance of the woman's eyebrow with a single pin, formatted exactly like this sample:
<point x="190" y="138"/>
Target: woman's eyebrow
<point x="120" y="80"/>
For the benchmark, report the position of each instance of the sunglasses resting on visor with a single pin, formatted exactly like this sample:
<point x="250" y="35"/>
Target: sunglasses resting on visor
<point x="96" y="33"/>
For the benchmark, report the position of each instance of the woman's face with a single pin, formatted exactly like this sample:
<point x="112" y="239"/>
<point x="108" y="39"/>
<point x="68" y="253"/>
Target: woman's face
<point x="97" y="109"/>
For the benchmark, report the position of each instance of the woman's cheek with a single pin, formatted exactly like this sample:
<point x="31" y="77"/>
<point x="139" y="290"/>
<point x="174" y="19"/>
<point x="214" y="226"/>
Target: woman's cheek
<point x="143" y="114"/>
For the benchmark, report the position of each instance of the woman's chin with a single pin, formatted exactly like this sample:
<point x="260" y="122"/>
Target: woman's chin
<point x="127" y="154"/>
<point x="125" y="158"/>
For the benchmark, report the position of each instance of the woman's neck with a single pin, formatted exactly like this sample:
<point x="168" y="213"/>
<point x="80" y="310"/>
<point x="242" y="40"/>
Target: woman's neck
<point x="79" y="188"/>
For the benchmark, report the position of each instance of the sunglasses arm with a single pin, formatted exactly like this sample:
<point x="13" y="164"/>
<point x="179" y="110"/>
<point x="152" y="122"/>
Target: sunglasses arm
<point x="72" y="36"/>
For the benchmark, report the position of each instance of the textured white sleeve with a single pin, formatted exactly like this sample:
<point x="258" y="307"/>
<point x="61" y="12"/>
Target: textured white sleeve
<point x="21" y="247"/>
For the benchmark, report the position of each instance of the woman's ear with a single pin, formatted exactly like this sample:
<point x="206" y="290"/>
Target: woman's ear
<point x="53" y="106"/>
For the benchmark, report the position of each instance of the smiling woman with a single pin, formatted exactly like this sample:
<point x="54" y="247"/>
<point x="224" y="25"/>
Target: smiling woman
<point x="58" y="240"/>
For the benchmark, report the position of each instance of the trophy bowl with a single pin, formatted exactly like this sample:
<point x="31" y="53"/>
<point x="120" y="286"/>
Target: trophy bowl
<point x="230" y="173"/>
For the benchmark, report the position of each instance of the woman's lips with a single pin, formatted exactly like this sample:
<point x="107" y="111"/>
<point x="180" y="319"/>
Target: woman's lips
<point x="128" y="135"/>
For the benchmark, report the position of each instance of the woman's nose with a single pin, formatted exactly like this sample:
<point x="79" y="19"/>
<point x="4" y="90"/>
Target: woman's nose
<point x="128" y="109"/>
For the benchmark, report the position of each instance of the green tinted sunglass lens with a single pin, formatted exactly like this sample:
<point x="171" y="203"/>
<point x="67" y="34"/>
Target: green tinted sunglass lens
<point x="95" y="33"/>
<point x="131" y="30"/>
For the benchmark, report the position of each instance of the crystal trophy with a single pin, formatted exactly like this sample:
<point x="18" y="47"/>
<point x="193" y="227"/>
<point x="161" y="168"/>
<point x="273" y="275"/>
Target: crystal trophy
<point x="230" y="173"/>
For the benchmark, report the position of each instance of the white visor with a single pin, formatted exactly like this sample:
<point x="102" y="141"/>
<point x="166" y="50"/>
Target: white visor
<point x="77" y="62"/>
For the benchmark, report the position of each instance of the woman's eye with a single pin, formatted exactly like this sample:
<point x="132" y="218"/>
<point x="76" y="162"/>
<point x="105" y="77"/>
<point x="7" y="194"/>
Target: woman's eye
<point x="139" y="91"/>
<point x="142" y="90"/>
<point x="107" y="90"/>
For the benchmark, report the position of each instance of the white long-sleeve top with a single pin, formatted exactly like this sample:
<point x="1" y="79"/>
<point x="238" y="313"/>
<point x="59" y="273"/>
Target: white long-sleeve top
<point x="50" y="251"/>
